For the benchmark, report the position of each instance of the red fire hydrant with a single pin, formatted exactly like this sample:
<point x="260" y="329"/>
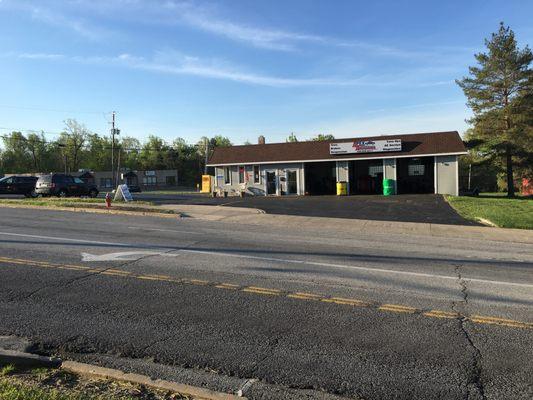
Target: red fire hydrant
<point x="108" y="200"/>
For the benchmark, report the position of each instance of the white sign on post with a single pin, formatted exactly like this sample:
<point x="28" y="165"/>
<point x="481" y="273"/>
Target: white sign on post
<point x="123" y="192"/>
<point x="365" y="146"/>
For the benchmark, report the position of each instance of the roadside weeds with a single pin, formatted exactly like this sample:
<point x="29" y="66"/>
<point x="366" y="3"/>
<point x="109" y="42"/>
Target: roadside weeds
<point x="55" y="384"/>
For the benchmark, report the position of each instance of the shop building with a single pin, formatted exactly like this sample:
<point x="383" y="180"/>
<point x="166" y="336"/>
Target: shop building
<point x="414" y="163"/>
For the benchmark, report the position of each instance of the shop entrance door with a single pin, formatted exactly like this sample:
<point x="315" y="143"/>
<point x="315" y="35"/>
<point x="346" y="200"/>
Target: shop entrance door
<point x="292" y="182"/>
<point x="271" y="187"/>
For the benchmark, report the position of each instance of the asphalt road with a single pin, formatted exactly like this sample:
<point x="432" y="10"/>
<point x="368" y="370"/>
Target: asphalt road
<point x="373" y="316"/>
<point x="404" y="208"/>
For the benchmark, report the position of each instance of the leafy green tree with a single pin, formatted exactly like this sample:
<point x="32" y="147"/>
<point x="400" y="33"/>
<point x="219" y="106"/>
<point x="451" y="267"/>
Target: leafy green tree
<point x="292" y="138"/>
<point x="74" y="139"/>
<point x="323" y="137"/>
<point x="15" y="157"/>
<point x="500" y="93"/>
<point x="152" y="155"/>
<point x="130" y="148"/>
<point x="97" y="154"/>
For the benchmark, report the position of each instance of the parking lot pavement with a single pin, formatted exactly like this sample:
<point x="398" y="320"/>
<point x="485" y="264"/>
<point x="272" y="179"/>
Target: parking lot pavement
<point x="404" y="208"/>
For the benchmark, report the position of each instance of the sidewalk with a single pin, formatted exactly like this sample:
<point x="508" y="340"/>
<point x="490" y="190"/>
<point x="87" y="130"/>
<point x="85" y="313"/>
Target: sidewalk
<point x="251" y="216"/>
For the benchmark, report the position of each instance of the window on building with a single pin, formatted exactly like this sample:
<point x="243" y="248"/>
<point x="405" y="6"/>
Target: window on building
<point x="375" y="170"/>
<point x="257" y="174"/>
<point x="149" y="180"/>
<point x="227" y="176"/>
<point x="415" y="168"/>
<point x="170" y="180"/>
<point x="241" y="174"/>
<point x="106" y="182"/>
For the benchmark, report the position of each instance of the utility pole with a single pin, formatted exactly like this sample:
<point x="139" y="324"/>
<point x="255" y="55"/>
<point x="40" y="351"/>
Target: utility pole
<point x="206" y="155"/>
<point x="113" y="133"/>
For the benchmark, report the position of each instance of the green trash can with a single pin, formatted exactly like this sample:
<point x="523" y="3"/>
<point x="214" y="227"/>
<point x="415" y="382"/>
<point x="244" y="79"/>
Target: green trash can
<point x="388" y="187"/>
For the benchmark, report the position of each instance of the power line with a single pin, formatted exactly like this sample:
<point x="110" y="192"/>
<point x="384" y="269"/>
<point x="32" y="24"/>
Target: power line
<point x="36" y="108"/>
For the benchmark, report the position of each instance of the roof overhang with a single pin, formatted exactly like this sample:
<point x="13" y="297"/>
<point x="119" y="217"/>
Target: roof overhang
<point x="380" y="157"/>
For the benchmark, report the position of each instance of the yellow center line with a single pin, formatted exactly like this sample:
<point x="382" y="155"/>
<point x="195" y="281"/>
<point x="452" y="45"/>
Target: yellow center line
<point x="229" y="286"/>
<point x="305" y="296"/>
<point x="397" y="308"/>
<point x="344" y="301"/>
<point x="478" y="319"/>
<point x="442" y="314"/>
<point x="260" y="291"/>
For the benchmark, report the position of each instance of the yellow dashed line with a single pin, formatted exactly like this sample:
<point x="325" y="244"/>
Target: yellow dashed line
<point x="397" y="308"/>
<point x="478" y="319"/>
<point x="305" y="296"/>
<point x="499" y="321"/>
<point x="441" y="314"/>
<point x="229" y="286"/>
<point x="348" y="302"/>
<point x="264" y="289"/>
<point x="260" y="291"/>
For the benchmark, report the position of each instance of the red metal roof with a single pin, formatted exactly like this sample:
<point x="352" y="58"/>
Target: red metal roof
<point x="417" y="144"/>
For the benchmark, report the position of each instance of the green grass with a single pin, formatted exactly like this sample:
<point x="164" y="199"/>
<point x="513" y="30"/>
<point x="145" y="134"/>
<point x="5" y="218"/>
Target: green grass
<point x="65" y="201"/>
<point x="6" y="370"/>
<point x="502" y="211"/>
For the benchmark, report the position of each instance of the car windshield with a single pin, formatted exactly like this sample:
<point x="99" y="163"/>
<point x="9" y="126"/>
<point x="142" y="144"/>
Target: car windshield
<point x="4" y="179"/>
<point x="45" y="178"/>
<point x="78" y="180"/>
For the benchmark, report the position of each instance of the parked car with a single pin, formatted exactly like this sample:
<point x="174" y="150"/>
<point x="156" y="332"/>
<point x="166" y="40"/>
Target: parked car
<point x="62" y="185"/>
<point x="134" y="188"/>
<point x="24" y="185"/>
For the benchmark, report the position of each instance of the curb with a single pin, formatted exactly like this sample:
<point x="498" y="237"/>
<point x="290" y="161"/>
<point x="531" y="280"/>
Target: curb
<point x="27" y="360"/>
<point x="108" y="373"/>
<point x="244" y="389"/>
<point x="114" y="211"/>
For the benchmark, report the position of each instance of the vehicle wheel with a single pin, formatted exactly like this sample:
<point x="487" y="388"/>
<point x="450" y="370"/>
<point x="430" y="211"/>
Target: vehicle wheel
<point x="62" y="193"/>
<point x="93" y="193"/>
<point x="33" y="194"/>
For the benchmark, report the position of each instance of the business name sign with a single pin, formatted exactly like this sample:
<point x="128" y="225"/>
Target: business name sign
<point x="365" y="146"/>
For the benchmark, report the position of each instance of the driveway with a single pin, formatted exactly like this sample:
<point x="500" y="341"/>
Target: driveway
<point x="405" y="208"/>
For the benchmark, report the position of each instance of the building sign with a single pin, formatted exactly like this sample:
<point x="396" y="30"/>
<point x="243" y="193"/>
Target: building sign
<point x="365" y="146"/>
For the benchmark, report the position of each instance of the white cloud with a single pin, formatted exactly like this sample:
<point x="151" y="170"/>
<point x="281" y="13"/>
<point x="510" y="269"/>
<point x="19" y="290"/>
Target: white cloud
<point x="175" y="63"/>
<point x="48" y="13"/>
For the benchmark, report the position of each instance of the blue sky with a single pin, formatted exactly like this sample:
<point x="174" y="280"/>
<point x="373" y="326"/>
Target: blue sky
<point x="242" y="68"/>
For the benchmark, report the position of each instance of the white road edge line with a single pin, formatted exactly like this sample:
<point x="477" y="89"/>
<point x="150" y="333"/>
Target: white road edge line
<point x="75" y="240"/>
<point x="343" y="266"/>
<point x="281" y="260"/>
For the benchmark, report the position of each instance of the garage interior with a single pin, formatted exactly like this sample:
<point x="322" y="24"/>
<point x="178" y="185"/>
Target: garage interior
<point x="415" y="175"/>
<point x="366" y="176"/>
<point x="321" y="178"/>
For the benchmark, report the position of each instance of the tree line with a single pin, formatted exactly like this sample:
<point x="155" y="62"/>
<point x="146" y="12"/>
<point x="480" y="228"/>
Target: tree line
<point x="78" y="148"/>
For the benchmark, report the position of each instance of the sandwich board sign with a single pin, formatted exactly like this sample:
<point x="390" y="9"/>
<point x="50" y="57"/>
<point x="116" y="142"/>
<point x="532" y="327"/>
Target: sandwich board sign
<point x="123" y="193"/>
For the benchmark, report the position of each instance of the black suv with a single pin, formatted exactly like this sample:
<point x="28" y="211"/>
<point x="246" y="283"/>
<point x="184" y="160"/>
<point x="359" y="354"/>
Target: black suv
<point x="62" y="185"/>
<point x="18" y="185"/>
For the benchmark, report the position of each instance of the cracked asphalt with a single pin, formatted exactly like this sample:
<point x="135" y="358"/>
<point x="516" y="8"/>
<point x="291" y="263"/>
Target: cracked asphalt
<point x="369" y="316"/>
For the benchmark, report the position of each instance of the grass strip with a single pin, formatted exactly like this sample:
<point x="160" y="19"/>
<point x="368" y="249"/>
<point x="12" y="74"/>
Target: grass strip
<point x="502" y="211"/>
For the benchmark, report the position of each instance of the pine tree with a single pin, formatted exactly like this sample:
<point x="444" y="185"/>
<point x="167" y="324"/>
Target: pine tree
<point x="500" y="94"/>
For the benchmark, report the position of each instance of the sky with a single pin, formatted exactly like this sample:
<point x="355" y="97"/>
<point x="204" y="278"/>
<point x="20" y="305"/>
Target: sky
<point x="244" y="68"/>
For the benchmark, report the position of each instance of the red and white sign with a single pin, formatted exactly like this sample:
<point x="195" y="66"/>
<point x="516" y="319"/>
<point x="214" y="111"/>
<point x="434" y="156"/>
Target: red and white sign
<point x="365" y="146"/>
